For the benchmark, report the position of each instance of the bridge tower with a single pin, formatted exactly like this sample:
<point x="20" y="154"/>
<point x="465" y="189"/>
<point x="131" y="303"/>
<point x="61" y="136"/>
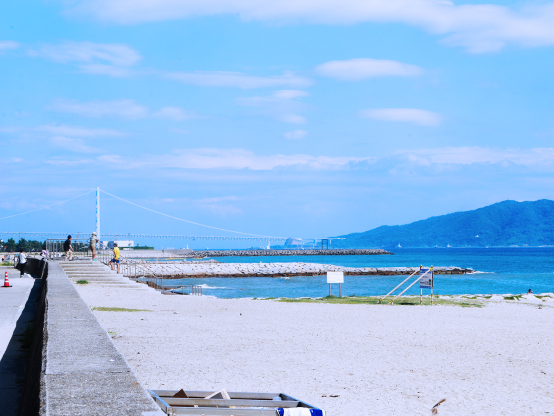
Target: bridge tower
<point x="98" y="213"/>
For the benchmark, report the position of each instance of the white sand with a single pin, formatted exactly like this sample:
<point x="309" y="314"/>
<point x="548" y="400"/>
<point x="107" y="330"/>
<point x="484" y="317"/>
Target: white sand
<point x="380" y="360"/>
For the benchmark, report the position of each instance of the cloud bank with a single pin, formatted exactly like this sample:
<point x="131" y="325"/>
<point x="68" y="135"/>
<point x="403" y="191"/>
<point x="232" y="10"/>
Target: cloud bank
<point x="124" y="108"/>
<point x="476" y="27"/>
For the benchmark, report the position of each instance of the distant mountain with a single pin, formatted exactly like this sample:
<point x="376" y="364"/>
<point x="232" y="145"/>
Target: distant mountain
<point x="502" y="224"/>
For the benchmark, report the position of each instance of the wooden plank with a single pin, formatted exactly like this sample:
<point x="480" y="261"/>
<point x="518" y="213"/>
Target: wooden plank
<point x="233" y="402"/>
<point x="223" y="412"/>
<point x="232" y="394"/>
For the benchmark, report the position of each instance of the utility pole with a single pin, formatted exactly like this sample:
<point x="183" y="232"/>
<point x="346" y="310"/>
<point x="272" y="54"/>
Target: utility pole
<point x="98" y="213"/>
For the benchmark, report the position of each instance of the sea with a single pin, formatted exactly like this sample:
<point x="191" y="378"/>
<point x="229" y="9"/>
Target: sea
<point x="512" y="270"/>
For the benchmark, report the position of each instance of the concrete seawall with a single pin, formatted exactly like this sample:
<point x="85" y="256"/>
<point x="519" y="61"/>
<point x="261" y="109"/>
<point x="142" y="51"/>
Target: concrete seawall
<point x="74" y="367"/>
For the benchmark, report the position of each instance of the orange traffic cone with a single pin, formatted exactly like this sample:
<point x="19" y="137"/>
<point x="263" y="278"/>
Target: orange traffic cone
<point x="6" y="281"/>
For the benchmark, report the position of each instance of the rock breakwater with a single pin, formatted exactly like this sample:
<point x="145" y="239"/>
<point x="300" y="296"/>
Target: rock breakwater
<point x="204" y="270"/>
<point x="314" y="252"/>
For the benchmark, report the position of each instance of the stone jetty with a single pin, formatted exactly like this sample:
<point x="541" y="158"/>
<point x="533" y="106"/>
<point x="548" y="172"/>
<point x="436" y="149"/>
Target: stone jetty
<point x="314" y="252"/>
<point x="195" y="254"/>
<point x="174" y="270"/>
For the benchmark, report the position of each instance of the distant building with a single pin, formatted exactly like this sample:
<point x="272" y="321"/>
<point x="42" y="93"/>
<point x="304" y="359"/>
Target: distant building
<point x="120" y="243"/>
<point x="293" y="242"/>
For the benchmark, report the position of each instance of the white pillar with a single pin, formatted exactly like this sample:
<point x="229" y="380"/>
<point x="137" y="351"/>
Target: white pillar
<point x="98" y="213"/>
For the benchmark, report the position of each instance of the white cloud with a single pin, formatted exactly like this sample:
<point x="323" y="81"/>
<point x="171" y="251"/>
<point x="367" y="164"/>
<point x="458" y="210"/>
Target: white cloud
<point x="280" y="105"/>
<point x="65" y="130"/>
<point x="409" y="115"/>
<point x="291" y="118"/>
<point x="174" y="113"/>
<point x="120" y="108"/>
<point x="124" y="108"/>
<point x="237" y="79"/>
<point x="8" y="44"/>
<point x="69" y="163"/>
<point x="290" y="94"/>
<point x="230" y="159"/>
<point x="477" y="27"/>
<point x="467" y="155"/>
<point x="296" y="135"/>
<point x="357" y="69"/>
<point x="72" y="145"/>
<point x="89" y="53"/>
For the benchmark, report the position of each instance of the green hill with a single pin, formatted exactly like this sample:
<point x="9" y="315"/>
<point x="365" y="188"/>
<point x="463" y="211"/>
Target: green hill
<point x="502" y="224"/>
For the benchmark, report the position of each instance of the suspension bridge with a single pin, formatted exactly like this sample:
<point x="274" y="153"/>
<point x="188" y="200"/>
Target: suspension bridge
<point x="85" y="215"/>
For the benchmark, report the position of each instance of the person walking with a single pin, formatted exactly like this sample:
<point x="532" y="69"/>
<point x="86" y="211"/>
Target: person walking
<point x="93" y="241"/>
<point x="22" y="262"/>
<point x="116" y="256"/>
<point x="68" y="248"/>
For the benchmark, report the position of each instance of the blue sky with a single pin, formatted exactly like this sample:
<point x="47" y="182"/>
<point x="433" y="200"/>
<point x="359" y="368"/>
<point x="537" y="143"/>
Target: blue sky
<point x="302" y="118"/>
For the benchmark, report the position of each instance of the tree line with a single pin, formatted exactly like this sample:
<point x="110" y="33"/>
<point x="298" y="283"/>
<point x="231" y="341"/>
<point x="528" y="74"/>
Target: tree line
<point x="32" y="245"/>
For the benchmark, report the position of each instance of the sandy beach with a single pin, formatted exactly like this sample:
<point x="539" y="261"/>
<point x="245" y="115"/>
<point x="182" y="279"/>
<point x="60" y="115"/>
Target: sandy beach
<point x="351" y="360"/>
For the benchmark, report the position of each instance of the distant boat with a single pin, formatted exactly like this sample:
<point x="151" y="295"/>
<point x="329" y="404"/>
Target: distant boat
<point x="448" y="246"/>
<point x="399" y="246"/>
<point x="477" y="236"/>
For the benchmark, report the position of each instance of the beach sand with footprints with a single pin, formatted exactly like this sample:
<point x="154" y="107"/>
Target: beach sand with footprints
<point x="351" y="360"/>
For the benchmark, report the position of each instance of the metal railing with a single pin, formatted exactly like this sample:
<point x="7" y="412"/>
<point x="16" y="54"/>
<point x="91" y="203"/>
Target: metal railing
<point x="55" y="247"/>
<point x="142" y="273"/>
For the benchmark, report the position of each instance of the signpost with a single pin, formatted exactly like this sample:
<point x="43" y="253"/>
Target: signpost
<point x="426" y="281"/>
<point x="335" y="277"/>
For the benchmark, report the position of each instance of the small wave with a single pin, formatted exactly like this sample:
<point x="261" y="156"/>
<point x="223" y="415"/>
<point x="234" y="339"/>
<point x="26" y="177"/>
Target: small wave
<point x="284" y="277"/>
<point x="205" y="286"/>
<point x="478" y="272"/>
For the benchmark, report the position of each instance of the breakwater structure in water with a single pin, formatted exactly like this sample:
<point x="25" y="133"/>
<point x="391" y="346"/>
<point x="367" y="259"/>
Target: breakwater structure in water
<point x="188" y="253"/>
<point x="296" y="252"/>
<point x="181" y="270"/>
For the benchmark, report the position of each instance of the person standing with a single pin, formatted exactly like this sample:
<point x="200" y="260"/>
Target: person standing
<point x="116" y="256"/>
<point x="22" y="263"/>
<point x="93" y="241"/>
<point x="68" y="248"/>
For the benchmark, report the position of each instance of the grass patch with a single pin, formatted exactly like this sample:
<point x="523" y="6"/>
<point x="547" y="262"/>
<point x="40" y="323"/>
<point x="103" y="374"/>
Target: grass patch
<point x="82" y="282"/>
<point x="373" y="300"/>
<point x="7" y="263"/>
<point x="514" y="297"/>
<point x="104" y="309"/>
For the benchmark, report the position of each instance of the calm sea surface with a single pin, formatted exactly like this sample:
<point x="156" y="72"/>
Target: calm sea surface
<point x="504" y="270"/>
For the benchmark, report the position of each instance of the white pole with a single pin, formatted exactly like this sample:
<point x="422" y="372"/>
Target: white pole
<point x="98" y="213"/>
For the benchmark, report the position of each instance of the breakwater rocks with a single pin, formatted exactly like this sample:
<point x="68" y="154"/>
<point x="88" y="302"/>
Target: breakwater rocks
<point x="203" y="270"/>
<point x="314" y="252"/>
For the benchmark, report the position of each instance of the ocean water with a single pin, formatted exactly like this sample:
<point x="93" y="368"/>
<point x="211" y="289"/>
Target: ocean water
<point x="499" y="271"/>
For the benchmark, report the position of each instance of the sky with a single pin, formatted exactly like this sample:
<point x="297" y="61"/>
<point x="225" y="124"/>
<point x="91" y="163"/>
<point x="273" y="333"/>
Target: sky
<point x="282" y="118"/>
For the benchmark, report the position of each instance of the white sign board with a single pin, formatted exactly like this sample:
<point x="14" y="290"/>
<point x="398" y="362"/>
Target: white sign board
<point x="427" y="281"/>
<point x="335" y="277"/>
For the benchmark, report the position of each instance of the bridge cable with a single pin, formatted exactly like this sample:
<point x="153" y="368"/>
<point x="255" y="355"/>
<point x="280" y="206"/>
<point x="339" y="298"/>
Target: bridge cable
<point x="49" y="206"/>
<point x="190" y="222"/>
